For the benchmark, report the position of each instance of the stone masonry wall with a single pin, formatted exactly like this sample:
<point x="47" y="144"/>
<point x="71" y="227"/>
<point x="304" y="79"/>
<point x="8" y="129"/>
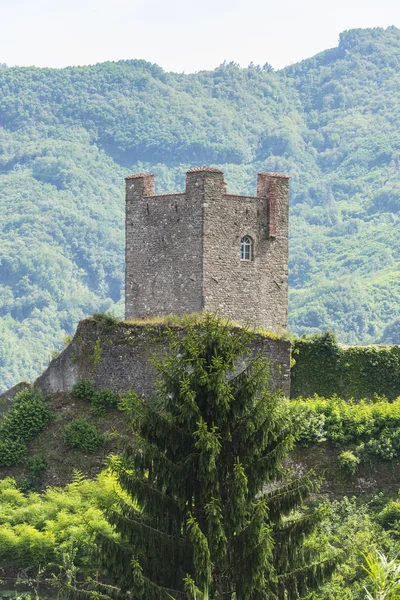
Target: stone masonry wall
<point x="163" y="253"/>
<point x="254" y="291"/>
<point x="183" y="250"/>
<point x="120" y="358"/>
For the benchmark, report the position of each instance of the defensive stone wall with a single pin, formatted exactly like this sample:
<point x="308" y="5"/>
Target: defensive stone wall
<point x="163" y="251"/>
<point x="183" y="250"/>
<point x="120" y="358"/>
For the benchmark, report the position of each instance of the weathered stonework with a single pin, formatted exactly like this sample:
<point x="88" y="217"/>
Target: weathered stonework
<point x="120" y="358"/>
<point x="183" y="250"/>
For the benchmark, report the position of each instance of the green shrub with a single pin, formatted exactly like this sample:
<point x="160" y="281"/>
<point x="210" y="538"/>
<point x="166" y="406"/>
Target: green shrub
<point x="36" y="465"/>
<point x="311" y="427"/>
<point x="82" y="435"/>
<point x="349" y="461"/>
<point x="37" y="529"/>
<point x="84" y="390"/>
<point x="370" y="428"/>
<point x="11" y="451"/>
<point x="101" y="400"/>
<point x="27" y="417"/>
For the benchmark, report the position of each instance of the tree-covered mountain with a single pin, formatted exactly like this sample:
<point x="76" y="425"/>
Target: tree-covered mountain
<point x="69" y="136"/>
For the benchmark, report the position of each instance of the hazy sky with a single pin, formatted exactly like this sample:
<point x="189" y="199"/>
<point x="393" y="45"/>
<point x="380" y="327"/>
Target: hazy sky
<point x="180" y="35"/>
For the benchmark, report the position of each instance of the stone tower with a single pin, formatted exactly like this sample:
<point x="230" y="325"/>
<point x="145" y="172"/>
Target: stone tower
<point x="207" y="249"/>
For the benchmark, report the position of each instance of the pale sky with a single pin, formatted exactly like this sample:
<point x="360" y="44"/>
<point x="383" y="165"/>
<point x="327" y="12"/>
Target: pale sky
<point x="180" y="35"/>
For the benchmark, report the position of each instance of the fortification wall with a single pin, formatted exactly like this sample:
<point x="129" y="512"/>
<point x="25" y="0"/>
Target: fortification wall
<point x="120" y="358"/>
<point x="183" y="251"/>
<point x="163" y="253"/>
<point x="256" y="290"/>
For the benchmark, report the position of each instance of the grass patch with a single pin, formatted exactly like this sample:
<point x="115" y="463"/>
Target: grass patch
<point x="198" y="319"/>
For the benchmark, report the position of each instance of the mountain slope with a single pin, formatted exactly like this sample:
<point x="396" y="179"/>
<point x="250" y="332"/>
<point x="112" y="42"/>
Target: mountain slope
<point x="68" y="137"/>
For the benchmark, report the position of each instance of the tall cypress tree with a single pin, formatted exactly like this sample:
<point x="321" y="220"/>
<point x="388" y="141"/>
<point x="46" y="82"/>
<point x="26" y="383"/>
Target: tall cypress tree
<point x="211" y="512"/>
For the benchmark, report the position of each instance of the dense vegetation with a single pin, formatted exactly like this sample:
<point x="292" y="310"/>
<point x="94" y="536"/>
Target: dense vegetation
<point x="209" y="440"/>
<point x="321" y="366"/>
<point x="67" y="138"/>
<point x="212" y="512"/>
<point x="361" y="429"/>
<point x="54" y="533"/>
<point x="26" y="418"/>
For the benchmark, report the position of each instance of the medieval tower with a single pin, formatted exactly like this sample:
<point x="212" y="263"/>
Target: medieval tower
<point x="208" y="249"/>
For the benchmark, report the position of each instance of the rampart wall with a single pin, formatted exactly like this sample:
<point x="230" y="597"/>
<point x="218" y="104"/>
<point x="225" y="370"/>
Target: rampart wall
<point x="120" y="358"/>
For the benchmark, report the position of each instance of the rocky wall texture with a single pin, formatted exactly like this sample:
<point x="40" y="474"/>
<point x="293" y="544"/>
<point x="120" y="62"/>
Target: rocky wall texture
<point x="248" y="291"/>
<point x="183" y="250"/>
<point x="163" y="252"/>
<point x="120" y="358"/>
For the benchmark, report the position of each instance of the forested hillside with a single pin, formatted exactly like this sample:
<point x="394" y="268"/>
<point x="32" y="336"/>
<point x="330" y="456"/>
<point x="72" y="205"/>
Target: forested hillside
<point x="68" y="137"/>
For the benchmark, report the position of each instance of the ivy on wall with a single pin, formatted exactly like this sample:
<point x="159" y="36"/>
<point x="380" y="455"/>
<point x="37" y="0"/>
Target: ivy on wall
<point x="323" y="367"/>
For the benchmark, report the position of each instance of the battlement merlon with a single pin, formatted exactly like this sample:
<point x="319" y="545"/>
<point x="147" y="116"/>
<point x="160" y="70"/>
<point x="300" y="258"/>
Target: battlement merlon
<point x="206" y="184"/>
<point x="275" y="187"/>
<point x="139" y="186"/>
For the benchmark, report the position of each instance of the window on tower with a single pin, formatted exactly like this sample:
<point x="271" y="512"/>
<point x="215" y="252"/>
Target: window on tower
<point x="246" y="248"/>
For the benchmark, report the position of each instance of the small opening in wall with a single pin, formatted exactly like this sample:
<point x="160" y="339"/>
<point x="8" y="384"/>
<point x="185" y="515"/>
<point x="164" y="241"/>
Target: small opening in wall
<point x="246" y="248"/>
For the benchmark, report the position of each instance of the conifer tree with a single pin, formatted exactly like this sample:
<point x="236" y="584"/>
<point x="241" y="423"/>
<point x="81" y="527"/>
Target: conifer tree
<point x="211" y="510"/>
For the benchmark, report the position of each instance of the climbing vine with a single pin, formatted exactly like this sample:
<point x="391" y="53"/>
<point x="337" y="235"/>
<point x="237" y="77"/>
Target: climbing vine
<point x="323" y="367"/>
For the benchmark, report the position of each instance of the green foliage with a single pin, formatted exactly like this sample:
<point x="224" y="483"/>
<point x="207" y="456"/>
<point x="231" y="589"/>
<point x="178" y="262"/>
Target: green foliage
<point x="383" y="576"/>
<point x="69" y="136"/>
<point x="352" y="525"/>
<point x="349" y="461"/>
<point x="325" y="368"/>
<point x="101" y="400"/>
<point x="365" y="429"/>
<point x="37" y="529"/>
<point x="82" y="435"/>
<point x="84" y="390"/>
<point x="11" y="451"/>
<point x="219" y="515"/>
<point x="26" y="418"/>
<point x="36" y="466"/>
<point x="389" y="517"/>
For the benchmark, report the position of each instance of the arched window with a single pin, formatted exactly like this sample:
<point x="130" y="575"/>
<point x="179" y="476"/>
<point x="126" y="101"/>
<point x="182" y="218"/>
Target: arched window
<point x="246" y="248"/>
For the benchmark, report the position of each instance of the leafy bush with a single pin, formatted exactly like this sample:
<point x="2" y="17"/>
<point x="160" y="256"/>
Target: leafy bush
<point x="26" y="418"/>
<point x="36" y="465"/>
<point x="368" y="428"/>
<point x="36" y="529"/>
<point x="84" y="390"/>
<point x="82" y="435"/>
<point x="351" y="525"/>
<point x="11" y="451"/>
<point x="389" y="517"/>
<point x="349" y="461"/>
<point x="101" y="400"/>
